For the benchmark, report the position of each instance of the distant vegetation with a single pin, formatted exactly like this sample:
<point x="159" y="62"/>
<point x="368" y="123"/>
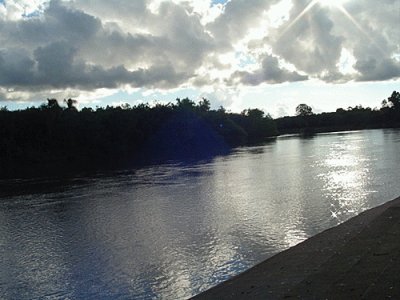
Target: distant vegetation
<point x="52" y="139"/>
<point x="352" y="118"/>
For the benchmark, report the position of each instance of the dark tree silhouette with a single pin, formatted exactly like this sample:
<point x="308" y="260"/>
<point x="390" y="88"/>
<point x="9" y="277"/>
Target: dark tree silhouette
<point x="52" y="138"/>
<point x="52" y="104"/>
<point x="254" y="113"/>
<point x="204" y="105"/>
<point x="71" y="104"/>
<point x="303" y="110"/>
<point x="185" y="103"/>
<point x="394" y="100"/>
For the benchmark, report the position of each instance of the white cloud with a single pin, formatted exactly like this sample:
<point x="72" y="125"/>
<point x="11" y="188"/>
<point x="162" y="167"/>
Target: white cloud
<point x="279" y="13"/>
<point x="346" y="62"/>
<point x="18" y="9"/>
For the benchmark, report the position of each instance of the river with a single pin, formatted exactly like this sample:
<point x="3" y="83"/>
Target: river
<point x="173" y="230"/>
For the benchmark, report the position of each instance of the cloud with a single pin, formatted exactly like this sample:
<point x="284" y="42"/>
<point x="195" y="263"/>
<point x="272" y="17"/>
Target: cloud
<point x="55" y="66"/>
<point x="89" y="45"/>
<point x="270" y="72"/>
<point x="377" y="70"/>
<point x="314" y="43"/>
<point x="69" y="48"/>
<point x="16" y="67"/>
<point x="237" y="18"/>
<point x="310" y="44"/>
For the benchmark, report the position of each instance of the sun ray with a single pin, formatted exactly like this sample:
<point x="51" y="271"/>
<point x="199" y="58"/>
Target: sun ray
<point x="332" y="4"/>
<point x="305" y="10"/>
<point x="359" y="27"/>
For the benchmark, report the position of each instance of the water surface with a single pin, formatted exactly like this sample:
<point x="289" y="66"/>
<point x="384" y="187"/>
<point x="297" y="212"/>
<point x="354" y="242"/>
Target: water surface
<point x="173" y="230"/>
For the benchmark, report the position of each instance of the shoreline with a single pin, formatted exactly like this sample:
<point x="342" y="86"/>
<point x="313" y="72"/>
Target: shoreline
<point x="359" y="258"/>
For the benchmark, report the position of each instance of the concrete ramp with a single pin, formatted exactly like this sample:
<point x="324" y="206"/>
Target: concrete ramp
<point x="359" y="259"/>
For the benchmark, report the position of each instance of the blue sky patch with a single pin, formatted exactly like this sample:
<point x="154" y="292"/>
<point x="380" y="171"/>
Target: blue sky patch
<point x="219" y="1"/>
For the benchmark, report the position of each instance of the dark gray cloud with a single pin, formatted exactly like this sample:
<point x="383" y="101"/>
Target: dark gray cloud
<point x="55" y="66"/>
<point x="16" y="67"/>
<point x="377" y="70"/>
<point x="58" y="22"/>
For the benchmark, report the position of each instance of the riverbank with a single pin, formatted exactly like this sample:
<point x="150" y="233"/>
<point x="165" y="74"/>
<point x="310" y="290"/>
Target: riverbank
<point x="359" y="259"/>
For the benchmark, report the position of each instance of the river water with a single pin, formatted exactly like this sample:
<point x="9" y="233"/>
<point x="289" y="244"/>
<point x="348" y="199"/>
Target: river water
<point x="171" y="231"/>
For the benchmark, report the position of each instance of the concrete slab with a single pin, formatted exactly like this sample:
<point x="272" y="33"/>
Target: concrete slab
<point x="359" y="259"/>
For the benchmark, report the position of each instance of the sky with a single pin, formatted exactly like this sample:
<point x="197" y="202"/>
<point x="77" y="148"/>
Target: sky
<point x="267" y="54"/>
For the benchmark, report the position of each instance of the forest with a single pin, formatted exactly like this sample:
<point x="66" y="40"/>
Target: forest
<point x="352" y="118"/>
<point x="60" y="139"/>
<point x="52" y="139"/>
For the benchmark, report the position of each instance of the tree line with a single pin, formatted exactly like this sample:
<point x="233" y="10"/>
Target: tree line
<point x="352" y="118"/>
<point x="53" y="139"/>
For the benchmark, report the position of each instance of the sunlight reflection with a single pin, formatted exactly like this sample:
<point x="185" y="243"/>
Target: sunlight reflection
<point x="294" y="236"/>
<point x="252" y="202"/>
<point x="346" y="180"/>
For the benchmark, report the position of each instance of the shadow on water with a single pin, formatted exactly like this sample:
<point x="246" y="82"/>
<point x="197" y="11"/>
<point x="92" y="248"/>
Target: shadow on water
<point x="256" y="147"/>
<point x="313" y="135"/>
<point x="185" y="137"/>
<point x="15" y="187"/>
